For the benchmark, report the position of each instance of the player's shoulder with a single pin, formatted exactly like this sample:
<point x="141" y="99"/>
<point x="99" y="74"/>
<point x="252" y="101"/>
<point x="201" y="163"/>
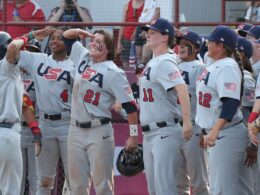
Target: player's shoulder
<point x="226" y="62"/>
<point x="112" y="67"/>
<point x="167" y="59"/>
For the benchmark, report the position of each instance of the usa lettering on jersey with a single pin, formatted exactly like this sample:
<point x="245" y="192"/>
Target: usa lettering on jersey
<point x="55" y="74"/>
<point x="93" y="76"/>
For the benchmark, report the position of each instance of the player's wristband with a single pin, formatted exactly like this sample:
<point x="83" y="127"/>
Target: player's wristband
<point x="31" y="36"/>
<point x="252" y="117"/>
<point x="34" y="126"/>
<point x="133" y="130"/>
<point x="25" y="40"/>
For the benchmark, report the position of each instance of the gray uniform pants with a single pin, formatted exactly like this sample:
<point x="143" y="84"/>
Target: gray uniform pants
<point x="11" y="163"/>
<point x="161" y="148"/>
<point x="91" y="153"/>
<point x="28" y="154"/>
<point x="227" y="173"/>
<point x="54" y="146"/>
<point x="192" y="172"/>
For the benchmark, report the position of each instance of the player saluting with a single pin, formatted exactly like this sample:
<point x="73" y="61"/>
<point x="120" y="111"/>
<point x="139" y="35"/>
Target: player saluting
<point x="98" y="83"/>
<point x="159" y="83"/>
<point x="12" y="90"/>
<point x="192" y="172"/>
<point x="219" y="91"/>
<point x="53" y="81"/>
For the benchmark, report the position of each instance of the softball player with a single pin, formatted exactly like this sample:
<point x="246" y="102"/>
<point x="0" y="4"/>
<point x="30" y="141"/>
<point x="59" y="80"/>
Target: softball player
<point x="218" y="93"/>
<point x="10" y="116"/>
<point x="27" y="146"/>
<point x="53" y="79"/>
<point x="253" y="34"/>
<point x="253" y="129"/>
<point x="192" y="172"/>
<point x="160" y="84"/>
<point x="98" y="83"/>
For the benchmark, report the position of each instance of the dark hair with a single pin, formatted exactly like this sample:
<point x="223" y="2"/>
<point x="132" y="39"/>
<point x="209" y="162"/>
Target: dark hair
<point x="109" y="42"/>
<point x="237" y="57"/>
<point x="246" y="63"/>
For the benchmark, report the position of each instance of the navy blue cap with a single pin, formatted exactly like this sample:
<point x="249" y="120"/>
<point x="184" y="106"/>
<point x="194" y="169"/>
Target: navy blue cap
<point x="192" y="37"/>
<point x="243" y="28"/>
<point x="254" y="31"/>
<point x="225" y="35"/>
<point x="162" y="25"/>
<point x="243" y="45"/>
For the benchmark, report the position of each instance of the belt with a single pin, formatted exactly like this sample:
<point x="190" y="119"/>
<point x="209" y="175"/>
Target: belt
<point x="161" y="124"/>
<point x="24" y="123"/>
<point x="6" y="125"/>
<point x="93" y="123"/>
<point x="204" y="131"/>
<point x="53" y="117"/>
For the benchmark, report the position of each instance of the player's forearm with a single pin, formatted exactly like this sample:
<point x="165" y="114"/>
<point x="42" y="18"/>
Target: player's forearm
<point x="184" y="99"/>
<point x="219" y="124"/>
<point x="256" y="107"/>
<point x="13" y="50"/>
<point x="132" y="118"/>
<point x="72" y="33"/>
<point x="28" y="115"/>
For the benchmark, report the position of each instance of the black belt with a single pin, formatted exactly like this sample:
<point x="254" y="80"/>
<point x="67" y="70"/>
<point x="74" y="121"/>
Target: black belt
<point x="89" y="125"/>
<point x="161" y="124"/>
<point x="52" y="117"/>
<point x="204" y="132"/>
<point x="6" y="125"/>
<point x="24" y="123"/>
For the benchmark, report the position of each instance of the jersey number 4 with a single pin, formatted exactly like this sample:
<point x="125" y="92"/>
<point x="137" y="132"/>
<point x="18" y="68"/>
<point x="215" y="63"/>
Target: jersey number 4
<point x="92" y="97"/>
<point x="204" y="99"/>
<point x="148" y="95"/>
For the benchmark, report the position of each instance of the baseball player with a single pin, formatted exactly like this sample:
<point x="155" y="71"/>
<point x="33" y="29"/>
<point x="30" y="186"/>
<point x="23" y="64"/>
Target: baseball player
<point x="10" y="116"/>
<point x="28" y="149"/>
<point x="98" y="83"/>
<point x="219" y="90"/>
<point x="252" y="35"/>
<point x="192" y="172"/>
<point x="253" y="124"/>
<point x="53" y="79"/>
<point x="160" y="84"/>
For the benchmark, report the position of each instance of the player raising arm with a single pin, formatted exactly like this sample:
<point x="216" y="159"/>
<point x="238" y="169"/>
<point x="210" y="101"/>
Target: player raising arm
<point x="98" y="83"/>
<point x="11" y="93"/>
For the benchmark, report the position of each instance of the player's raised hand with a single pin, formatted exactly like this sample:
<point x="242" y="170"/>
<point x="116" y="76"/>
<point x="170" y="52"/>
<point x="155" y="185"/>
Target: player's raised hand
<point x="42" y="33"/>
<point x="187" y="130"/>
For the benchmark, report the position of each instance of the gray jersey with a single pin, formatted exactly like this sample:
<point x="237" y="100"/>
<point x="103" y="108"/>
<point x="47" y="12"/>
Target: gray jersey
<point x="53" y="81"/>
<point x="256" y="69"/>
<point x="257" y="89"/>
<point x="190" y="72"/>
<point x="11" y="92"/>
<point x="29" y="85"/>
<point x="220" y="79"/>
<point x="157" y="101"/>
<point x="97" y="86"/>
<point x="248" y="97"/>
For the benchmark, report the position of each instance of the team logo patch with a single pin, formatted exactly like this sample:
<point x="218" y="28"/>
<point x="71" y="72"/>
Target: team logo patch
<point x="230" y="86"/>
<point x="250" y="95"/>
<point x="174" y="75"/>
